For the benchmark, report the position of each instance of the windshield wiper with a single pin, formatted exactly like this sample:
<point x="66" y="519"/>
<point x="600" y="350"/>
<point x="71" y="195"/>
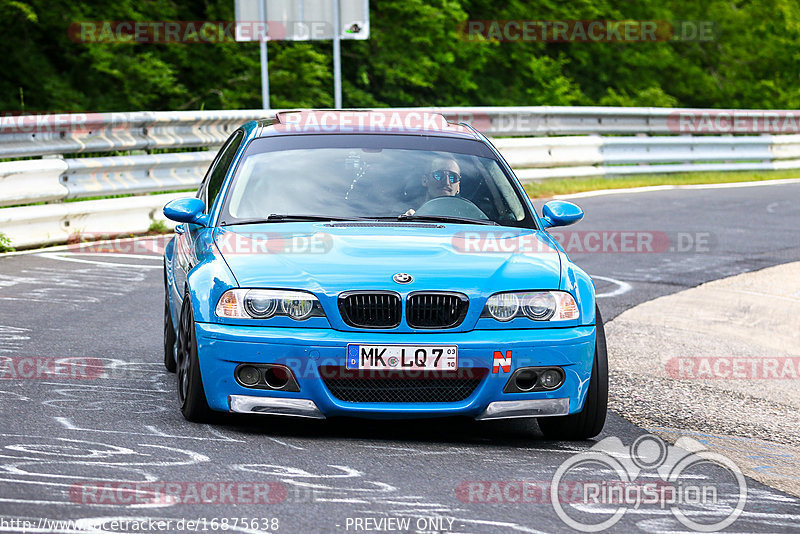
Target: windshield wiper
<point x="285" y="217"/>
<point x="445" y="218"/>
<point x="302" y="217"/>
<point x="278" y="217"/>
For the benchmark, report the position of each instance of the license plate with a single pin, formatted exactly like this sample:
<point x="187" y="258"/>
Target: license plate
<point x="402" y="357"/>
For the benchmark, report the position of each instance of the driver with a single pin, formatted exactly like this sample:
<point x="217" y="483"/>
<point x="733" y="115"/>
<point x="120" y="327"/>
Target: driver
<point x="444" y="180"/>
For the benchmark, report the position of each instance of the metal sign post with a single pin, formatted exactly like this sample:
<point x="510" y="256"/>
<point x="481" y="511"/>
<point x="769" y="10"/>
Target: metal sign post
<point x="337" y="57"/>
<point x="262" y="14"/>
<point x="303" y="20"/>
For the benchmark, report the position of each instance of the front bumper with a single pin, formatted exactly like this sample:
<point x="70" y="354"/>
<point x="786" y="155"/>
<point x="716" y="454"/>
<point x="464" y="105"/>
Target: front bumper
<point x="222" y="347"/>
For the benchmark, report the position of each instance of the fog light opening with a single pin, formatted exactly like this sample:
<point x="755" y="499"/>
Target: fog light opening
<point x="551" y="379"/>
<point x="248" y="375"/>
<point x="525" y="380"/>
<point x="277" y="377"/>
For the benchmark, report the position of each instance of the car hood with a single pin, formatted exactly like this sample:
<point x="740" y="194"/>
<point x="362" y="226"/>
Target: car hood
<point x="333" y="257"/>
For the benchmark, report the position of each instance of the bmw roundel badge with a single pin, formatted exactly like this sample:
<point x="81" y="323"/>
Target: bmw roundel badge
<point x="402" y="278"/>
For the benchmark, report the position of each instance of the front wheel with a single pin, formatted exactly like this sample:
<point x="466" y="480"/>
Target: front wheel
<point x="590" y="420"/>
<point x="191" y="394"/>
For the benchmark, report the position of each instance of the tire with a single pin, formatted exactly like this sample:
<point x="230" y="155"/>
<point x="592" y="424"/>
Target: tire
<point x="191" y="395"/>
<point x="590" y="420"/>
<point x="169" y="338"/>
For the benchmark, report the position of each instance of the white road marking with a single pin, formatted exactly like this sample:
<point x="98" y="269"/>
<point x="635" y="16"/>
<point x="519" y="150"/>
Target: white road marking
<point x="70" y="426"/>
<point x="223" y="436"/>
<point x="65" y="256"/>
<point x="622" y="287"/>
<point x="276" y="440"/>
<point x="12" y="338"/>
<point x="155" y="431"/>
<point x="116" y="388"/>
<point x="13" y="394"/>
<point x="296" y="472"/>
<point x="83" y="285"/>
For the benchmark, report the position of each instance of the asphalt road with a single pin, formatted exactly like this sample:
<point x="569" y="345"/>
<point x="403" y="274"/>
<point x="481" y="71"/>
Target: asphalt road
<point x="60" y="436"/>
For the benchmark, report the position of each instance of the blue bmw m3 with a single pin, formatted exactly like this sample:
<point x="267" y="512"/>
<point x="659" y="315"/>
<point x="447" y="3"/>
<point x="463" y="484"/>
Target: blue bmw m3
<point x="377" y="265"/>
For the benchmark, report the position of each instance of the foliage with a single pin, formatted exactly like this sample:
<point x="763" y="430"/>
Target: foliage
<point x="416" y="56"/>
<point x="158" y="227"/>
<point x="5" y="243"/>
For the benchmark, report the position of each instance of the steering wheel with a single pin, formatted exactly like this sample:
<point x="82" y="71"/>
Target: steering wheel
<point x="452" y="207"/>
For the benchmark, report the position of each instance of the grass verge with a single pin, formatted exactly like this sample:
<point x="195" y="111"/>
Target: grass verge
<point x="566" y="186"/>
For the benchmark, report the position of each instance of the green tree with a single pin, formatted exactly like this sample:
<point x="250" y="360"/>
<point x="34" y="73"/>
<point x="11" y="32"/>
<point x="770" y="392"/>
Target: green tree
<point x="417" y="55"/>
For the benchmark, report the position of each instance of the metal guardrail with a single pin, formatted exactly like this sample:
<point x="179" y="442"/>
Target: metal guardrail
<point x="28" y="226"/>
<point x="134" y="174"/>
<point x="555" y="144"/>
<point x="41" y="135"/>
<point x="37" y="135"/>
<point x="563" y="157"/>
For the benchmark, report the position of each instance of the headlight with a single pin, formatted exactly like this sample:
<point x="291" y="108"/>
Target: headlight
<point x="259" y="306"/>
<point x="266" y="303"/>
<point x="535" y="305"/>
<point x="539" y="306"/>
<point x="298" y="307"/>
<point x="503" y="307"/>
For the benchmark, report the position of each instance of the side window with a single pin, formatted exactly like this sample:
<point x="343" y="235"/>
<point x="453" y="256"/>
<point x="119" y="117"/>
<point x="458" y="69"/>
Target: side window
<point x="212" y="183"/>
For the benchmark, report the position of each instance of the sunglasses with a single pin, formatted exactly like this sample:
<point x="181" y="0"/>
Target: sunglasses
<point x="452" y="176"/>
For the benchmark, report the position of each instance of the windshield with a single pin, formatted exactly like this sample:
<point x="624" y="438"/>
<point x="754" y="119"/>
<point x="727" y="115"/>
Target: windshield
<point x="372" y="176"/>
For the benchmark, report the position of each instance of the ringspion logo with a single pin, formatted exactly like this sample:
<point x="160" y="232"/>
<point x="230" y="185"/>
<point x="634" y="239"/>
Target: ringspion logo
<point x="650" y="473"/>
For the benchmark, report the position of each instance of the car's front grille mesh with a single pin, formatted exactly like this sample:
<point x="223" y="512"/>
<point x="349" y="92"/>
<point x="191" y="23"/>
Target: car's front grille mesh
<point x="436" y="310"/>
<point x="401" y="386"/>
<point x="371" y="309"/>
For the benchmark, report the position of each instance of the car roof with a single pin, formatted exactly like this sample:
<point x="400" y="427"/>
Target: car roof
<point x="356" y="121"/>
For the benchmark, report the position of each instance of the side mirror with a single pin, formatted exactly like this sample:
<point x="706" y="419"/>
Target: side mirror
<point x="186" y="210"/>
<point x="560" y="213"/>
